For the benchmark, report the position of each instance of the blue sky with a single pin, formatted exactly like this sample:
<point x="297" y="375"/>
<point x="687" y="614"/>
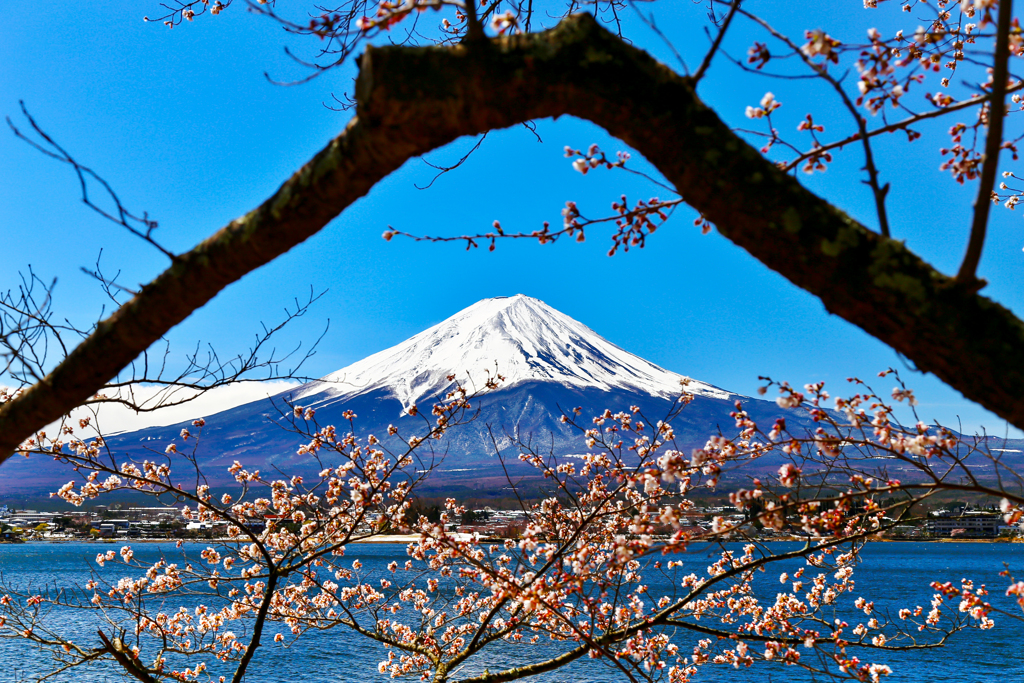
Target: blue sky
<point x="185" y="125"/>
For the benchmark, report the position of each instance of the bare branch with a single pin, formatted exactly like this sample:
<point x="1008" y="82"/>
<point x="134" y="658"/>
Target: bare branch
<point x="706" y="64"/>
<point x="140" y="226"/>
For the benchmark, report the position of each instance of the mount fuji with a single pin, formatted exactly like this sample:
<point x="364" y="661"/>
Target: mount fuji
<point x="550" y="363"/>
<point x="522" y="338"/>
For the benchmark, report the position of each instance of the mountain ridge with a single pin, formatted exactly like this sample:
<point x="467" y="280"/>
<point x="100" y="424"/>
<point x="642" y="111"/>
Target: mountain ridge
<point x="518" y="337"/>
<point x="550" y="362"/>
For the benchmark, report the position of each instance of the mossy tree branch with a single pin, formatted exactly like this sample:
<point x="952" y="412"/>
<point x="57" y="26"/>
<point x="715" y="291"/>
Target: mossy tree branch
<point x="413" y="100"/>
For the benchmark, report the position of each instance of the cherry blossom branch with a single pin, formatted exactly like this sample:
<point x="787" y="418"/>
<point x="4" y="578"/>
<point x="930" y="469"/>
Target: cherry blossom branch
<point x="283" y="554"/>
<point x="186" y="11"/>
<point x="993" y="143"/>
<point x="878" y="192"/>
<point x="117" y="650"/>
<point x="634" y="225"/>
<point x="578" y="559"/>
<point x="618" y="635"/>
<point x="892" y="127"/>
<point x="258" y="626"/>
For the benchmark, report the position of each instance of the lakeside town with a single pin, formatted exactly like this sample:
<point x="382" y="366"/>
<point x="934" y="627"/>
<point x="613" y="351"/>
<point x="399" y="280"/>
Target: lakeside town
<point x="102" y="523"/>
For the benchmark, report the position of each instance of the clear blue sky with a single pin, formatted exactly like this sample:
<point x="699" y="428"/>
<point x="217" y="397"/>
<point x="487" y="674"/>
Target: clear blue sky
<point x="183" y="123"/>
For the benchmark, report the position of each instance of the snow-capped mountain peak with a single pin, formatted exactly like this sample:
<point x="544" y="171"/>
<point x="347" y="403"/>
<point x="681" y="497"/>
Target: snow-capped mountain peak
<point x="519" y="337"/>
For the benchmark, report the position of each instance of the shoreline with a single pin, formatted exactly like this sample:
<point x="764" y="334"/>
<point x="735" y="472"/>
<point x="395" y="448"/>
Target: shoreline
<point x="384" y="538"/>
<point x="410" y="538"/>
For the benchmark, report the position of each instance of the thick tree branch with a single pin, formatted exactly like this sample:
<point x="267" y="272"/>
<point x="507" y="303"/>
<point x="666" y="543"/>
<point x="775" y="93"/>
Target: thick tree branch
<point x="579" y="69"/>
<point x="344" y="171"/>
<point x="124" y="657"/>
<point x="412" y="100"/>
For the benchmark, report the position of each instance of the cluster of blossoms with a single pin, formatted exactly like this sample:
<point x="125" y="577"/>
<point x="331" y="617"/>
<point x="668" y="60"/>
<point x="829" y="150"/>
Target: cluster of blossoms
<point x="571" y="556"/>
<point x="391" y="12"/>
<point x="281" y="538"/>
<point x="946" y="49"/>
<point x="821" y="44"/>
<point x="594" y="157"/>
<point x="578" y="568"/>
<point x="768" y="105"/>
<point x="633" y="223"/>
<point x="190" y="10"/>
<point x="877" y="68"/>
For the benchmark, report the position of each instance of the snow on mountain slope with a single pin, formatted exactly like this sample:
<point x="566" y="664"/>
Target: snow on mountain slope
<point x="551" y="363"/>
<point x="521" y="338"/>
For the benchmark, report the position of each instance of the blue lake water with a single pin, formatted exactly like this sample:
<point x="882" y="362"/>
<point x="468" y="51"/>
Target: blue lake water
<point x="894" y="575"/>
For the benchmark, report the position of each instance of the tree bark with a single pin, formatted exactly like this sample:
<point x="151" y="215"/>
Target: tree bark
<point x="413" y="100"/>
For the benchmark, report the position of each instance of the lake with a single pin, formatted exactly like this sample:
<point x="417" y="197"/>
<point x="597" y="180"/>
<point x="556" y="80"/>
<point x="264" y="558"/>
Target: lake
<point x="894" y="575"/>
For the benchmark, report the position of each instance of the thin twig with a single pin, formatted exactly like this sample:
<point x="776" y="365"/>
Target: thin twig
<point x="121" y="216"/>
<point x="441" y="170"/>
<point x="706" y="64"/>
